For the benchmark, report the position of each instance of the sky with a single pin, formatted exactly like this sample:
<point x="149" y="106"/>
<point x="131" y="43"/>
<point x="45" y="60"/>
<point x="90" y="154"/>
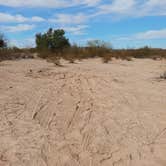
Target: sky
<point x="123" y="23"/>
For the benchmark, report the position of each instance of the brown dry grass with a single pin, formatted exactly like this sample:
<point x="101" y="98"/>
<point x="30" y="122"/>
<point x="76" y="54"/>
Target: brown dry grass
<point x="15" y="53"/>
<point x="78" y="53"/>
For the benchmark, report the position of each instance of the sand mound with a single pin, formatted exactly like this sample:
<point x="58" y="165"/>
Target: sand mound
<point x="84" y="114"/>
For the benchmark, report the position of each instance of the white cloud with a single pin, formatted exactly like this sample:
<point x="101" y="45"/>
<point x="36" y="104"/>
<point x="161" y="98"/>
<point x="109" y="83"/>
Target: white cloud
<point x="69" y="19"/>
<point x="36" y="19"/>
<point x="152" y="34"/>
<point x="32" y="3"/>
<point x="69" y="22"/>
<point x="73" y="24"/>
<point x="154" y="7"/>
<point x="48" y="3"/>
<point x="17" y="28"/>
<point x="147" y="35"/>
<point x="133" y="8"/>
<point x="76" y="30"/>
<point x="117" y="6"/>
<point x="6" y="18"/>
<point x="91" y="2"/>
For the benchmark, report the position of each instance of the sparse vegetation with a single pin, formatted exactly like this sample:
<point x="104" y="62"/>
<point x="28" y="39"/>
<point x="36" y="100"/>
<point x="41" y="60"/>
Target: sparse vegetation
<point x="54" y="45"/>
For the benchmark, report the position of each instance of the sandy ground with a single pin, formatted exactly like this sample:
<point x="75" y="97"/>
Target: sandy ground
<point x="84" y="114"/>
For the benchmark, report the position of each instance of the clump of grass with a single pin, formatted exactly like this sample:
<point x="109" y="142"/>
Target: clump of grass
<point x="106" y="58"/>
<point x="51" y="57"/>
<point x="70" y="58"/>
<point x="163" y="76"/>
<point x="128" y="58"/>
<point x="71" y="54"/>
<point x="55" y="60"/>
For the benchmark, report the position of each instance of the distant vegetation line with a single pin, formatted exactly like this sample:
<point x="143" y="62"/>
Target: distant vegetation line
<point x="53" y="45"/>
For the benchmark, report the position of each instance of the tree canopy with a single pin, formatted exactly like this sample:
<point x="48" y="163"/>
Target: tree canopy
<point x="52" y="40"/>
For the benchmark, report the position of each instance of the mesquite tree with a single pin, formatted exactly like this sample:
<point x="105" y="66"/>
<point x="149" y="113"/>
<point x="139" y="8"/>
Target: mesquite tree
<point x="52" y="40"/>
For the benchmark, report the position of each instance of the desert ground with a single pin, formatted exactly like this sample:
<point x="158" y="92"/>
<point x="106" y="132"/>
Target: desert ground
<point x="83" y="114"/>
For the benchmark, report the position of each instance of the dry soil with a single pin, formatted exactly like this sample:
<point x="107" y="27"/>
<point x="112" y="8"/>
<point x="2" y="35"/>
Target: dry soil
<point x="83" y="114"/>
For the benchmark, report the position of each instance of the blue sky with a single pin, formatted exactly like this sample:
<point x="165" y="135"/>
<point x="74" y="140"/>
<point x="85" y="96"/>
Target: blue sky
<point x="124" y="23"/>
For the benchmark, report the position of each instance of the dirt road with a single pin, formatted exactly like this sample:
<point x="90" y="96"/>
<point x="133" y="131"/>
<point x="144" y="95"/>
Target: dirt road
<point x="84" y="114"/>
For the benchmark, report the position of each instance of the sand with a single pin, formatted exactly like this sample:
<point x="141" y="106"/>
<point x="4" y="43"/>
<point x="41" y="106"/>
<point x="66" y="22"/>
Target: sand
<point x="83" y="114"/>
